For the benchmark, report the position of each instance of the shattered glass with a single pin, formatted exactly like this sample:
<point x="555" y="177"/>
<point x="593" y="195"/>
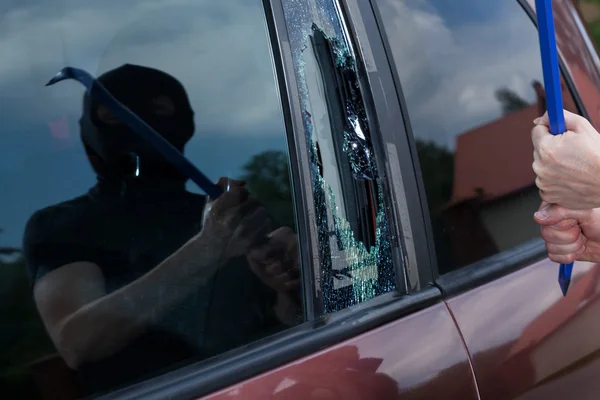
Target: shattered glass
<point x="354" y="240"/>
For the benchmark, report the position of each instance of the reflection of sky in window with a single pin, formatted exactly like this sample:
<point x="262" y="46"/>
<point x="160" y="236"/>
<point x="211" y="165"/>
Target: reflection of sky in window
<point x="218" y="50"/>
<point x="453" y="55"/>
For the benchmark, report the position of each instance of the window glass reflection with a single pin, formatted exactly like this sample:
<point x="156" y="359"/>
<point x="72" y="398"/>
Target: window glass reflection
<point x="471" y="75"/>
<point x="130" y="270"/>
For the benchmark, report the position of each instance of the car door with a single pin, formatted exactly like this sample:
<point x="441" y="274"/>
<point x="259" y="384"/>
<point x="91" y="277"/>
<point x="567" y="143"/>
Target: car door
<point x="394" y="339"/>
<point x="294" y="97"/>
<point x="418" y="352"/>
<point x="472" y="84"/>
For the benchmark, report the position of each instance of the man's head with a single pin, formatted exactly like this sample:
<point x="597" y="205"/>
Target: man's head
<point x="157" y="98"/>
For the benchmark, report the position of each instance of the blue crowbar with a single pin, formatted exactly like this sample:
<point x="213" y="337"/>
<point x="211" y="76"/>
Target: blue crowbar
<point x="554" y="102"/>
<point x="166" y="149"/>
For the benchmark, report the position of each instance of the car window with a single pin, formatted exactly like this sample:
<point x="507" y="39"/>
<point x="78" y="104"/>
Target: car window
<point x="114" y="267"/>
<point x="348" y="198"/>
<point x="471" y="77"/>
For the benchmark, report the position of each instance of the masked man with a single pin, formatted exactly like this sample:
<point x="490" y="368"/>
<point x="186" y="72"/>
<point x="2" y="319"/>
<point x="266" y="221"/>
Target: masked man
<point x="134" y="276"/>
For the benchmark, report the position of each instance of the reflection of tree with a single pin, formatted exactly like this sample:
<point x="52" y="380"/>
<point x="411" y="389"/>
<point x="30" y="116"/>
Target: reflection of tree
<point x="437" y="169"/>
<point x="510" y="101"/>
<point x="268" y="179"/>
<point x="22" y="334"/>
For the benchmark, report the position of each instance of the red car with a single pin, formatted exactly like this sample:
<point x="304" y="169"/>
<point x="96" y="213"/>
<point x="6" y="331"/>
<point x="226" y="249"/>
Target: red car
<point x="390" y="137"/>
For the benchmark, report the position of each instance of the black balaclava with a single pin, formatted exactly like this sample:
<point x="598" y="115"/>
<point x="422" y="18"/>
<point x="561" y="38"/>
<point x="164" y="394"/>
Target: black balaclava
<point x="114" y="150"/>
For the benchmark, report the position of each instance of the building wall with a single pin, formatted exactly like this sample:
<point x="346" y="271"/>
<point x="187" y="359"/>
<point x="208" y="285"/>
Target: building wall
<point x="510" y="220"/>
<point x="590" y="11"/>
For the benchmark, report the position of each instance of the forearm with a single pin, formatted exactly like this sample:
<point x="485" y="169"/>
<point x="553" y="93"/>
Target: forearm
<point x="108" y="324"/>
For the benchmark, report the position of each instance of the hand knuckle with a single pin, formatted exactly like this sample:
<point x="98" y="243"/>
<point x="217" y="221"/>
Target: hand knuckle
<point x="537" y="133"/>
<point x="237" y="190"/>
<point x="536" y="167"/>
<point x="580" y="124"/>
<point x="544" y="150"/>
<point x="569" y="258"/>
<point x="539" y="182"/>
<point x="550" y="197"/>
<point x="546" y="234"/>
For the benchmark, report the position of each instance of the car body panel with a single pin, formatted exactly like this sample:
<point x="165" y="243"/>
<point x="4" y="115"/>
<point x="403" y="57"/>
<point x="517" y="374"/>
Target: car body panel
<point x="523" y="335"/>
<point x="419" y="356"/>
<point x="525" y="339"/>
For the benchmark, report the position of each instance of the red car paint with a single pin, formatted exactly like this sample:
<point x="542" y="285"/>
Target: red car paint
<point x="527" y="341"/>
<point x="420" y="356"/>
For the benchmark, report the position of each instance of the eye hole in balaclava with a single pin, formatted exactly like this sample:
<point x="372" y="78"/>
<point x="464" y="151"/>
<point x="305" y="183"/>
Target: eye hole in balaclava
<point x="161" y="106"/>
<point x="155" y="96"/>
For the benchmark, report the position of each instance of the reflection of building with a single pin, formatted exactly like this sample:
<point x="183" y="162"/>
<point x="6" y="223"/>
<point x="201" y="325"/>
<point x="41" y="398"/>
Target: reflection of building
<point x="588" y="91"/>
<point x="589" y="11"/>
<point x="494" y="194"/>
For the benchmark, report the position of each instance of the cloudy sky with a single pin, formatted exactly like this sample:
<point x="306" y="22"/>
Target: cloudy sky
<point x="452" y="58"/>
<point x="453" y="55"/>
<point x="218" y="50"/>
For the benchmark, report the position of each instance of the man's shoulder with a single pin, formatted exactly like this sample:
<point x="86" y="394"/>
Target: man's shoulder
<point x="56" y="218"/>
<point x="48" y="231"/>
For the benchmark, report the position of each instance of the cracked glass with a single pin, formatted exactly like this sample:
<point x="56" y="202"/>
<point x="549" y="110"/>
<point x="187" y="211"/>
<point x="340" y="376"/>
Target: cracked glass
<point x="354" y="241"/>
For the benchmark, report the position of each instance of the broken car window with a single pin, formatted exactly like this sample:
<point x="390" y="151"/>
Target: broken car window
<point x="354" y="242"/>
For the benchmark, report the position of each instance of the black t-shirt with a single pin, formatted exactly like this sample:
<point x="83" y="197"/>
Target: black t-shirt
<point x="128" y="229"/>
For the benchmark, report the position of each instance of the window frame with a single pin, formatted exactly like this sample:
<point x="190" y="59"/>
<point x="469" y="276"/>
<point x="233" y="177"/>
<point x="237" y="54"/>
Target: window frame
<point x="391" y="145"/>
<point x="504" y="262"/>
<point x="392" y="152"/>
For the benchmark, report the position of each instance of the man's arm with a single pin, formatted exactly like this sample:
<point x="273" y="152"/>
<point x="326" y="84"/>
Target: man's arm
<point x="87" y="324"/>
